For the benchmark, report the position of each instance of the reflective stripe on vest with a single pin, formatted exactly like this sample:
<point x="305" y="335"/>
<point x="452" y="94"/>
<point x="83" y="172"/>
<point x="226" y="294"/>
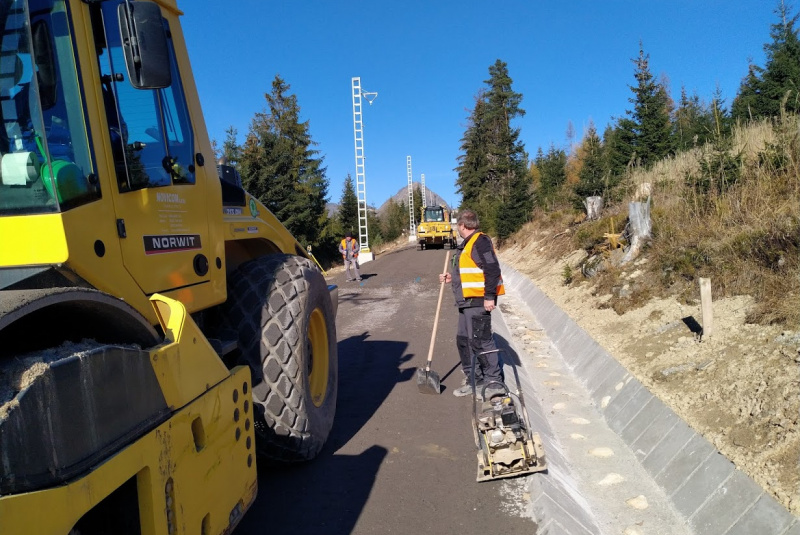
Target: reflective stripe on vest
<point x="472" y="278"/>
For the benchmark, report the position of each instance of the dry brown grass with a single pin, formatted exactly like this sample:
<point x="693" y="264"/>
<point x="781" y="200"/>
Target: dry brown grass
<point x="742" y="232"/>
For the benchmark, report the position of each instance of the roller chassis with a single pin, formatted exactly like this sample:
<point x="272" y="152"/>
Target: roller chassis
<point x="153" y="421"/>
<point x="197" y="435"/>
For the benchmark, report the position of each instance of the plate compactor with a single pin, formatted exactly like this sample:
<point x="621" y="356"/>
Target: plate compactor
<point x="507" y="447"/>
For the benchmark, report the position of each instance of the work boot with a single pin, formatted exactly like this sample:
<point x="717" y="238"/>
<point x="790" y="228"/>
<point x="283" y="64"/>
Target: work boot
<point x="466" y="387"/>
<point x="465" y="390"/>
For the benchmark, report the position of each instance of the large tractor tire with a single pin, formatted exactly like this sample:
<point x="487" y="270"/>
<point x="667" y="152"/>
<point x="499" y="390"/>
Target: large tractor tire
<point x="280" y="307"/>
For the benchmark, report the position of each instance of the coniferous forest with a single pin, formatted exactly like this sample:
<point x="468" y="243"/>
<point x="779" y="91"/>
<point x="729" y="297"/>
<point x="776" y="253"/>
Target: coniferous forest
<point x="723" y="175"/>
<point x="721" y="181"/>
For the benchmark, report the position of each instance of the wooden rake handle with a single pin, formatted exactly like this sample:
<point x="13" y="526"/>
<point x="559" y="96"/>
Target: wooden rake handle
<point x="436" y="317"/>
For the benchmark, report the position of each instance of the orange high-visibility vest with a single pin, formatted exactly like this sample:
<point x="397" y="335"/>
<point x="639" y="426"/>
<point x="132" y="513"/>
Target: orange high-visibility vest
<point x="472" y="279"/>
<point x="352" y="247"/>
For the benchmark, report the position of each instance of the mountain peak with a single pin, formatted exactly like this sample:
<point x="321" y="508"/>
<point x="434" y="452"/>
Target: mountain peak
<point x="433" y="198"/>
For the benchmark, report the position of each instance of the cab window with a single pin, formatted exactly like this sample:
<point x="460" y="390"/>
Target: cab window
<point x="45" y="160"/>
<point x="151" y="136"/>
<point x="434" y="215"/>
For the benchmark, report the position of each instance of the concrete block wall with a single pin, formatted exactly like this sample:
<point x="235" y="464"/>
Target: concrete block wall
<point x="714" y="497"/>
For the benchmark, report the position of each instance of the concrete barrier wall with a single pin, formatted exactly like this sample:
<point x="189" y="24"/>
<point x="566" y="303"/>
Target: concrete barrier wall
<point x="713" y="496"/>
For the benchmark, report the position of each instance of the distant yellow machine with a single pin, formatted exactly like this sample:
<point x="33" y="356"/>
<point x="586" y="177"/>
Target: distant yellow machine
<point x="159" y="328"/>
<point x="435" y="229"/>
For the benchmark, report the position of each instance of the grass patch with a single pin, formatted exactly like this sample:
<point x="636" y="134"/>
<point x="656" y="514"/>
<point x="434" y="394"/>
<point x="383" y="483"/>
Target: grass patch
<point x="729" y="211"/>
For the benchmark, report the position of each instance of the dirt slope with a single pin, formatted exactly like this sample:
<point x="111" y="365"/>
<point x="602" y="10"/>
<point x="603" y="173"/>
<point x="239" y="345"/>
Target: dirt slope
<point x="739" y="387"/>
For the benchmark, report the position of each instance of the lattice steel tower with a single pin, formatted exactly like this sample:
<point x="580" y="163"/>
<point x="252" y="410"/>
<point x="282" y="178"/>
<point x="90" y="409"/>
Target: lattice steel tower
<point x="412" y="227"/>
<point x="361" y="180"/>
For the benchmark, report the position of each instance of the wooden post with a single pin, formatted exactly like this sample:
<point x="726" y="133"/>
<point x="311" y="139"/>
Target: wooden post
<point x="707" y="309"/>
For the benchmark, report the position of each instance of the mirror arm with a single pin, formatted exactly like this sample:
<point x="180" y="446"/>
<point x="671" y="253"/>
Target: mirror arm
<point x="132" y="35"/>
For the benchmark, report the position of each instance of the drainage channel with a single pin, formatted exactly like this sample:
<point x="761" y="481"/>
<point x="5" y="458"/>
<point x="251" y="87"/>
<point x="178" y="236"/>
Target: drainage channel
<point x="619" y="460"/>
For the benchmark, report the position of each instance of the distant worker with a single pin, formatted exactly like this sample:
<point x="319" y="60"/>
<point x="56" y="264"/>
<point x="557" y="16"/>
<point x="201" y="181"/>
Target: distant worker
<point x="477" y="282"/>
<point x="349" y="250"/>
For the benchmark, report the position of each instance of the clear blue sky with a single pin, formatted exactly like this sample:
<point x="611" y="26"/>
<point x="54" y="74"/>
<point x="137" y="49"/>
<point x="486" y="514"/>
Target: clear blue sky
<point x="428" y="58"/>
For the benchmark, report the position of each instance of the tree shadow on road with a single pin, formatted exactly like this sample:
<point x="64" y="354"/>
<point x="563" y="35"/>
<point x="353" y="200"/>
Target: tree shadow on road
<point x="328" y="494"/>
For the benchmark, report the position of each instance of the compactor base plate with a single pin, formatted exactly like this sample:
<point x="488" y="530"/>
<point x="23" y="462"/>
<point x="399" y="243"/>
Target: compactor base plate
<point x="518" y="466"/>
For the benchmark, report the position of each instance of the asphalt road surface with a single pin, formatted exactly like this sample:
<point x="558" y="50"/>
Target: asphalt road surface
<point x="397" y="460"/>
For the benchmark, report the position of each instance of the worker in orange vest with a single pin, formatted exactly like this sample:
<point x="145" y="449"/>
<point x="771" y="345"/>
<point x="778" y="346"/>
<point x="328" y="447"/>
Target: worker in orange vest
<point x="477" y="282"/>
<point x="349" y="250"/>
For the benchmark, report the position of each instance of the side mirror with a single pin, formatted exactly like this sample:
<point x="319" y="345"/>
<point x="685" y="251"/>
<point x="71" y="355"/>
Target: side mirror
<point x="144" y="43"/>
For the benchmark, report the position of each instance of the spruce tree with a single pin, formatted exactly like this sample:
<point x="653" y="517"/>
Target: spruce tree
<point x="493" y="166"/>
<point x="473" y="166"/>
<point x="553" y="169"/>
<point x="536" y="174"/>
<point x="694" y="122"/>
<point x="781" y="79"/>
<point x="279" y="166"/>
<point x="348" y="207"/>
<point x="764" y="89"/>
<point x="591" y="177"/>
<point x="721" y="120"/>
<point x="374" y="229"/>
<point x="650" y="114"/>
<point x="619" y="147"/>
<point x="515" y="211"/>
<point x="749" y="103"/>
<point x="230" y="149"/>
<point x="419" y="206"/>
<point x="394" y="220"/>
<point x="508" y="163"/>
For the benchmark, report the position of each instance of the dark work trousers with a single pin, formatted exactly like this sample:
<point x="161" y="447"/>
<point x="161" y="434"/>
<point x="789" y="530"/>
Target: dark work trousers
<point x="474" y="336"/>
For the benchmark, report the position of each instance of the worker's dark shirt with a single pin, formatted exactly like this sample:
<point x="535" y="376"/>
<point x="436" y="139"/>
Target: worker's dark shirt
<point x="483" y="255"/>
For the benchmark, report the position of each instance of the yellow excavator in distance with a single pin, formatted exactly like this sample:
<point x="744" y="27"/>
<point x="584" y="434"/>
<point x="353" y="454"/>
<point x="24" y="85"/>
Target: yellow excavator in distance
<point x="160" y="329"/>
<point x="435" y="228"/>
